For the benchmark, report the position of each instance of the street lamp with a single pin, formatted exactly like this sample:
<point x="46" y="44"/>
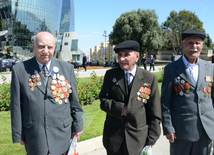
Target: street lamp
<point x="105" y="35"/>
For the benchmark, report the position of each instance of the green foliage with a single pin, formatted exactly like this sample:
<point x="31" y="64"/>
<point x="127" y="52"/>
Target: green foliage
<point x="177" y="23"/>
<point x="140" y="25"/>
<point x="88" y="92"/>
<point x="4" y="95"/>
<point x="208" y="44"/>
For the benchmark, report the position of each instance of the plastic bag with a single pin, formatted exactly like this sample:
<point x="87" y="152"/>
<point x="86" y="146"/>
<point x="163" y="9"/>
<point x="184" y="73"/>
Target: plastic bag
<point x="147" y="150"/>
<point x="73" y="146"/>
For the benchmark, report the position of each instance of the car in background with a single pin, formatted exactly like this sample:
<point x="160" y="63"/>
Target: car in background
<point x="7" y="66"/>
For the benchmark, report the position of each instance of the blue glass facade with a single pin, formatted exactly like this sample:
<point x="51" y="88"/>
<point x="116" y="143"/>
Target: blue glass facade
<point x="21" y="19"/>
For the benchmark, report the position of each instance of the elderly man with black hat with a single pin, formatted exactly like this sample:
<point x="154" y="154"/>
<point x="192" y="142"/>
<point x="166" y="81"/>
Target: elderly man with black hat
<point x="187" y="100"/>
<point x="131" y="100"/>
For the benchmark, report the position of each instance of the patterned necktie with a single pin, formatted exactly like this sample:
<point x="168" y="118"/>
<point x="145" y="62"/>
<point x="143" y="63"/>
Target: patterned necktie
<point x="128" y="78"/>
<point x="45" y="71"/>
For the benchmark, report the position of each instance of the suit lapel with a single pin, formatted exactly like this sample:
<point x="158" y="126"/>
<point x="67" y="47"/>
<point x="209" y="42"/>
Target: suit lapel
<point x="34" y="66"/>
<point x="183" y="72"/>
<point x="136" y="83"/>
<point x="121" y="82"/>
<point x="202" y="70"/>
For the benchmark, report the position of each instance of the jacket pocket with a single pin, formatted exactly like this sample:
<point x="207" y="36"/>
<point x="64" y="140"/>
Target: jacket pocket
<point x="67" y="122"/>
<point x="27" y="124"/>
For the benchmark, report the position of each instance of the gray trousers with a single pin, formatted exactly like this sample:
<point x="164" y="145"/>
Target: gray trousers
<point x="201" y="147"/>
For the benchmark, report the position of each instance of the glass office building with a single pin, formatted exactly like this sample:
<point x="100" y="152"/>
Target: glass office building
<point x="21" y="19"/>
<point x="67" y="22"/>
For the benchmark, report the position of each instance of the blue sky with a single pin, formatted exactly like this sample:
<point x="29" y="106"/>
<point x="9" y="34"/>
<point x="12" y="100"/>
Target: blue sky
<point x="92" y="17"/>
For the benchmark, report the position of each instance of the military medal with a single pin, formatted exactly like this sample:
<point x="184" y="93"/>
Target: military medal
<point x="55" y="69"/>
<point x="39" y="83"/>
<point x="209" y="91"/>
<point x="180" y="87"/>
<point x="176" y="90"/>
<point x="187" y="86"/>
<point x="32" y="89"/>
<point x="205" y="91"/>
<point x="60" y="101"/>
<point x="138" y="98"/>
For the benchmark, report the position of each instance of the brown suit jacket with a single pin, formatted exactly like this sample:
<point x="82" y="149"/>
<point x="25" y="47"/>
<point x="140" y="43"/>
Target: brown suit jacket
<point x="142" y="124"/>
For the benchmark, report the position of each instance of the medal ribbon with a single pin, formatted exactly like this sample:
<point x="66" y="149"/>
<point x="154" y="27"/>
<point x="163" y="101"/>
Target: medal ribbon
<point x="187" y="85"/>
<point x="209" y="90"/>
<point x="205" y="89"/>
<point x="180" y="87"/>
<point x="176" y="89"/>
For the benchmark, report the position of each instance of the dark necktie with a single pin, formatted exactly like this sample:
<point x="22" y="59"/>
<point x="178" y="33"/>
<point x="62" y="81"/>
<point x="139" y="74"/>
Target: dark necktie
<point x="45" y="71"/>
<point x="128" y="78"/>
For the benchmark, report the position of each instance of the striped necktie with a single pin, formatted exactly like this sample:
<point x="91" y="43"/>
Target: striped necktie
<point x="45" y="71"/>
<point x="128" y="78"/>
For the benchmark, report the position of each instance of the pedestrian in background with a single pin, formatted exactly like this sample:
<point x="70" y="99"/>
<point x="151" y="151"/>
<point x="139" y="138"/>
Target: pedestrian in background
<point x="84" y="61"/>
<point x="152" y="63"/>
<point x="173" y="57"/>
<point x="144" y="61"/>
<point x="0" y="65"/>
<point x="187" y="100"/>
<point x="131" y="100"/>
<point x="45" y="110"/>
<point x="213" y="58"/>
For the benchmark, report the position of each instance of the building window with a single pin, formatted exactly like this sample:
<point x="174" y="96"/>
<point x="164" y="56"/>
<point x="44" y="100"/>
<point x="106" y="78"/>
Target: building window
<point x="68" y="35"/>
<point x="66" y="43"/>
<point x="76" y="57"/>
<point x="74" y="45"/>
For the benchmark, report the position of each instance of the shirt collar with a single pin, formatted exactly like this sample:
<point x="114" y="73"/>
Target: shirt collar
<point x="41" y="65"/>
<point x="133" y="71"/>
<point x="187" y="63"/>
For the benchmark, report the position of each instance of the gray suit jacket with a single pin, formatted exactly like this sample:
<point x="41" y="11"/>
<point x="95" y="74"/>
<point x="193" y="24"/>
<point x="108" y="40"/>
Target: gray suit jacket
<point x="189" y="113"/>
<point x="142" y="124"/>
<point x="36" y="117"/>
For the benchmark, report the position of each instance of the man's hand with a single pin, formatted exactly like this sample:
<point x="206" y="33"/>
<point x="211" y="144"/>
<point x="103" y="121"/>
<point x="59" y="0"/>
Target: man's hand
<point x="78" y="134"/>
<point x="124" y="111"/>
<point x="22" y="143"/>
<point x="171" y="137"/>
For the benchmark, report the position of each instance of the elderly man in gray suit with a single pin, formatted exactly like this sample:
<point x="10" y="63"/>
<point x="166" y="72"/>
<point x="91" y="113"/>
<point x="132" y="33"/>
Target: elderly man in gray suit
<point x="45" y="111"/>
<point x="187" y="100"/>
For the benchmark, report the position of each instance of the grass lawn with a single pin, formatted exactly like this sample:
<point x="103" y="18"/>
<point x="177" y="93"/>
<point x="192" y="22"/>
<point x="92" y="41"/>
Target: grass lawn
<point x="93" y="125"/>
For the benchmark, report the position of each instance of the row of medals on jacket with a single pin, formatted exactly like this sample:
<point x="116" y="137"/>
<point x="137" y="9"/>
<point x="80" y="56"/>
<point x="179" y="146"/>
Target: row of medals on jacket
<point x="60" y="87"/>
<point x="187" y="86"/>
<point x="143" y="93"/>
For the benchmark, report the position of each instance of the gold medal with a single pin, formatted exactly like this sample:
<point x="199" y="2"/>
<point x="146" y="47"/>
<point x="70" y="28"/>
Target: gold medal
<point x="210" y="84"/>
<point x="141" y="95"/>
<point x="62" y="96"/>
<point x="60" y="101"/>
<point x="39" y="83"/>
<point x="70" y="91"/>
<point x="209" y="95"/>
<point x="35" y="84"/>
<point x="57" y="99"/>
<point x="138" y="98"/>
<point x="187" y="91"/>
<point x="205" y="95"/>
<point x="147" y="97"/>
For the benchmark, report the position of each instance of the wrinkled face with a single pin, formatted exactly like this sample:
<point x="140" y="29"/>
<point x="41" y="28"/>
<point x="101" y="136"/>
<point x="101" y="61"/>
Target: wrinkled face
<point x="192" y="47"/>
<point x="44" y="47"/>
<point x="128" y="59"/>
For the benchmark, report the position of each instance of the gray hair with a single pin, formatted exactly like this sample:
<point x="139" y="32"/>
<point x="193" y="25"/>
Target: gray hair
<point x="34" y="39"/>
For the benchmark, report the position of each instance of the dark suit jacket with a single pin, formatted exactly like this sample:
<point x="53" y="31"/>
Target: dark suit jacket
<point x="189" y="114"/>
<point x="36" y="117"/>
<point x="152" y="61"/>
<point x="84" y="60"/>
<point x="142" y="123"/>
<point x="144" y="60"/>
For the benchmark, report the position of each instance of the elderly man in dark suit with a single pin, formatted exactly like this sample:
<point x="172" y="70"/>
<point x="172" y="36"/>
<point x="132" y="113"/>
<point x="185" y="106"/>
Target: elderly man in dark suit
<point x="144" y="61"/>
<point x="45" y="111"/>
<point x="131" y="100"/>
<point x="187" y="100"/>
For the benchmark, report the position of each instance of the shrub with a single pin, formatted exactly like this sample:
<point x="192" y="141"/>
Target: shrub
<point x="5" y="95"/>
<point x="87" y="93"/>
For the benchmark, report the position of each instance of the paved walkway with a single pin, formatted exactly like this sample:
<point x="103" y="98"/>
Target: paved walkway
<point x="82" y="73"/>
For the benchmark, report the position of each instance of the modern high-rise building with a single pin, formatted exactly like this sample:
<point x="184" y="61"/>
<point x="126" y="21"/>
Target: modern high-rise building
<point x="21" y="19"/>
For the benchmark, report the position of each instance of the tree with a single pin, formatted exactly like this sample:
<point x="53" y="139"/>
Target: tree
<point x="180" y="22"/>
<point x="208" y="44"/>
<point x="141" y="26"/>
